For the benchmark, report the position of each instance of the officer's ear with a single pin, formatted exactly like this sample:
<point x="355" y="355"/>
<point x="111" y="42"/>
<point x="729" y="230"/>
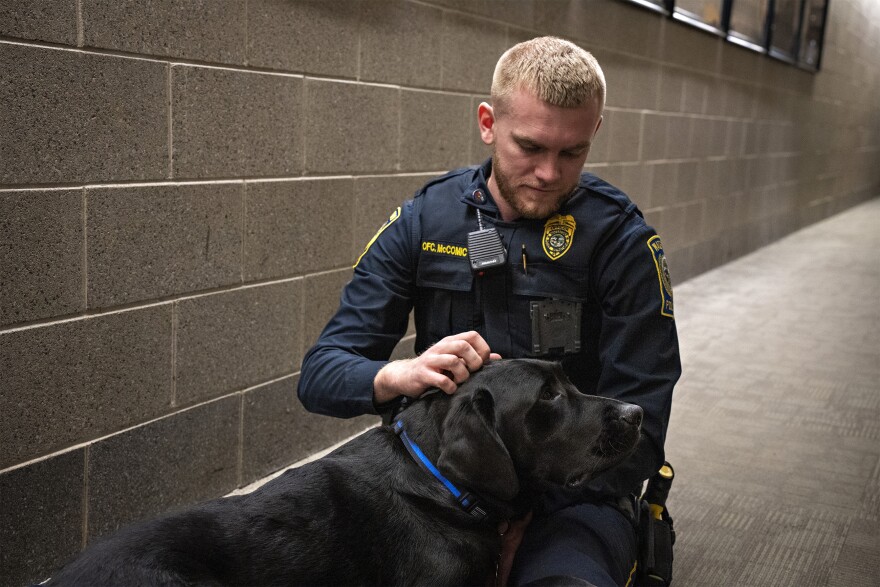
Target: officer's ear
<point x="598" y="125"/>
<point x="486" y="122"/>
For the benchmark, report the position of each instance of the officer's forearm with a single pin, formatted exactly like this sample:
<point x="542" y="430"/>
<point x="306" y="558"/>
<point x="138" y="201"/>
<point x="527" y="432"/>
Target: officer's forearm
<point x="336" y="383"/>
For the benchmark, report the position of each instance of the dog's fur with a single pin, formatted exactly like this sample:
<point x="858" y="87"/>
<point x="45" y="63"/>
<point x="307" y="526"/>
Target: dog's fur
<point x="367" y="514"/>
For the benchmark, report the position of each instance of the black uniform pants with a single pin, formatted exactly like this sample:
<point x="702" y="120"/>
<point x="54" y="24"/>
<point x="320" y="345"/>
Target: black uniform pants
<point x="592" y="542"/>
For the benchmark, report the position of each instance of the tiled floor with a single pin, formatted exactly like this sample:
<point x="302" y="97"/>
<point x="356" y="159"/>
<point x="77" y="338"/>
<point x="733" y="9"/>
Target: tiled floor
<point x="775" y="431"/>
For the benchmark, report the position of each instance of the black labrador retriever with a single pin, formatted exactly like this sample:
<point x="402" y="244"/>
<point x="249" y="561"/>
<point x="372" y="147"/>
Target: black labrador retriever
<point x="416" y="502"/>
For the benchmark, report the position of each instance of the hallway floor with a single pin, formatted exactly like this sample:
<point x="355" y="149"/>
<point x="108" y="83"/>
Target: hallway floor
<point x="775" y="430"/>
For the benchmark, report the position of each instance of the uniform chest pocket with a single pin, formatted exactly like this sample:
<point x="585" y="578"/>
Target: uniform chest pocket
<point x="445" y="303"/>
<point x="551" y="280"/>
<point x="444" y="272"/>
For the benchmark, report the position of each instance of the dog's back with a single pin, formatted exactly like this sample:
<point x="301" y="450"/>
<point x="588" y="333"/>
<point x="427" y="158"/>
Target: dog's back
<point x="368" y="514"/>
<point x="348" y="518"/>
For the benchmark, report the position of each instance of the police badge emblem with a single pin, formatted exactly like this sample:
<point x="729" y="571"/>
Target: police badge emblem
<point x="558" y="235"/>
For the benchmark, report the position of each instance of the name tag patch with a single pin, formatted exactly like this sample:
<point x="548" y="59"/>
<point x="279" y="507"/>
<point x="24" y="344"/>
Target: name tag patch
<point x="444" y="249"/>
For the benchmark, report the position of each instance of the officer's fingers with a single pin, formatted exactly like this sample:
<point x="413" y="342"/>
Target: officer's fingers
<point x="459" y="347"/>
<point x="494" y="357"/>
<point x="450" y="365"/>
<point x="431" y="378"/>
<point x="479" y="344"/>
<point x="472" y="361"/>
<point x="458" y="369"/>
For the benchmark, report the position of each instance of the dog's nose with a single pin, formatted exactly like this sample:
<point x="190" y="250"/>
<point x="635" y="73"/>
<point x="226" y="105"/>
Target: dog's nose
<point x="631" y="414"/>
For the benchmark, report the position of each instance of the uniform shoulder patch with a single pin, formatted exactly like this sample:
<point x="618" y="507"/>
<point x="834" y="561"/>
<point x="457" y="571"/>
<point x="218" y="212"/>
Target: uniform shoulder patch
<point x="394" y="216"/>
<point x="558" y="235"/>
<point x="656" y="248"/>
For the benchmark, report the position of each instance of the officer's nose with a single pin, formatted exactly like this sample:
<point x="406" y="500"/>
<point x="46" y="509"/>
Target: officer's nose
<point x="547" y="170"/>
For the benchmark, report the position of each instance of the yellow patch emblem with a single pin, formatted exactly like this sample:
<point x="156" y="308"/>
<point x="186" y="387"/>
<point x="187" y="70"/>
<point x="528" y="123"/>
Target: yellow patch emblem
<point x="656" y="247"/>
<point x="394" y="216"/>
<point x="558" y="235"/>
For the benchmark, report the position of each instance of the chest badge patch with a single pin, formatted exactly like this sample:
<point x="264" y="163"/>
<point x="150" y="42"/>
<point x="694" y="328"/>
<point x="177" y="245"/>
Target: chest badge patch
<point x="558" y="235"/>
<point x="662" y="266"/>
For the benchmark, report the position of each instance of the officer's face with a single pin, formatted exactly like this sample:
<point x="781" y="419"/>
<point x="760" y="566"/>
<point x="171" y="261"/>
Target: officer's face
<point x="539" y="152"/>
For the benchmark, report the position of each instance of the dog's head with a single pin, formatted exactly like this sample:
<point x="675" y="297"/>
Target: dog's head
<point x="521" y="423"/>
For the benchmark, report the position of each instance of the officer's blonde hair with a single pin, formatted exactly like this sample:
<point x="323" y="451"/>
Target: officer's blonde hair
<point x="554" y="70"/>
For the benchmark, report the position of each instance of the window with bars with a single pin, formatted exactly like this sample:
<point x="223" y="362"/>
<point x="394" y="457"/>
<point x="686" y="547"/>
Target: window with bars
<point x="789" y="30"/>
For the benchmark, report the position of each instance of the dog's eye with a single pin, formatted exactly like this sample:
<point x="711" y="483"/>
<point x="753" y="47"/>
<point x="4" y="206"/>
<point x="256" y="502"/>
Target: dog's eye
<point x="547" y="394"/>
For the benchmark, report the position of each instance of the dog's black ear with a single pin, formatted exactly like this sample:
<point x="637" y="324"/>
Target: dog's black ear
<point x="472" y="451"/>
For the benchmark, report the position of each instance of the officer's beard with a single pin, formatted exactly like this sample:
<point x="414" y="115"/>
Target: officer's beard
<point x="526" y="208"/>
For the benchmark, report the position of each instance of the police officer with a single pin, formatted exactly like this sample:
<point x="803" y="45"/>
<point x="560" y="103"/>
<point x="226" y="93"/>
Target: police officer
<point x="523" y="256"/>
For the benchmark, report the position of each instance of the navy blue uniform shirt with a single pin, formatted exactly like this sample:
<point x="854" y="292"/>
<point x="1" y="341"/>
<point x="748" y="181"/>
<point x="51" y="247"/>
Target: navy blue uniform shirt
<point x="596" y="251"/>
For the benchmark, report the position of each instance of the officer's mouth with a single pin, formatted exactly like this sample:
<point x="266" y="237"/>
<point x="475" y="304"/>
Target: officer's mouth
<point x="543" y="191"/>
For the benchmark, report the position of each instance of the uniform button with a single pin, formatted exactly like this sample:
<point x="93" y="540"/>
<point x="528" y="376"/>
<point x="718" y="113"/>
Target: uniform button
<point x="479" y="196"/>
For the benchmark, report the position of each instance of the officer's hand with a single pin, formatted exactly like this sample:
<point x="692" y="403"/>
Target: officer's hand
<point x="445" y="365"/>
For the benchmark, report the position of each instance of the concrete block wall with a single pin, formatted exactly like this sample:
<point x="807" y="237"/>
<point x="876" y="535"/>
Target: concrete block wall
<point x="184" y="187"/>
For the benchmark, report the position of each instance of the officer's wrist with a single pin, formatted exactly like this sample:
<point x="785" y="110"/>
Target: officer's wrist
<point x="383" y="391"/>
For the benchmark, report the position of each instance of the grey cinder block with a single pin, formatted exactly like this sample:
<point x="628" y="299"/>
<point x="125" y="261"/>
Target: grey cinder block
<point x="293" y="227"/>
<point x="401" y="44"/>
<point x="521" y="12"/>
<point x="70" y="117"/>
<point x="435" y="131"/>
<point x="653" y="146"/>
<point x="41" y="517"/>
<point x="41" y="254"/>
<point x="74" y="381"/>
<point x="640" y="85"/>
<point x="233" y="123"/>
<point x="623" y="135"/>
<point x="694" y="92"/>
<point x="232" y="340"/>
<point x="269" y="426"/>
<point x="471" y="48"/>
<point x="741" y="63"/>
<point x="39" y="20"/>
<point x="597" y="25"/>
<point x="278" y="431"/>
<point x="177" y="460"/>
<point x="206" y="30"/>
<point x="678" y="137"/>
<point x="690" y="48"/>
<point x="351" y="128"/>
<point x="154" y="241"/>
<point x="638" y="183"/>
<point x="314" y="36"/>
<point x="671" y="89"/>
<point x="664" y="188"/>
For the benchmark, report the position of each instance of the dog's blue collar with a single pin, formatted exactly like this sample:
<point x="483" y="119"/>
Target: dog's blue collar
<point x="466" y="500"/>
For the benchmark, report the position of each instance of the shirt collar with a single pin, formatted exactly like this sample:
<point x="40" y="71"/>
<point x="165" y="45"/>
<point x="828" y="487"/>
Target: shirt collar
<point x="476" y="194"/>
